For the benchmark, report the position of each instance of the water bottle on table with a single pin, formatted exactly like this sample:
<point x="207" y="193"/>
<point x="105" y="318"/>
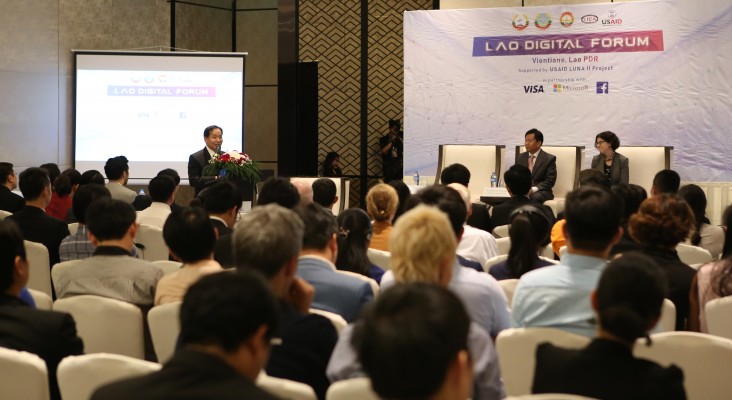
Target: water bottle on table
<point x="494" y="179"/>
<point x="415" y="178"/>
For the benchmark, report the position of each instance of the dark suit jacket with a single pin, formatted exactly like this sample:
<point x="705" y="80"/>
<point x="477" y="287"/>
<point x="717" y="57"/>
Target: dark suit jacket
<point x="221" y="227"/>
<point x="223" y="252"/>
<point x="196" y="162"/>
<point x="10" y="201"/>
<point x="543" y="176"/>
<point x="604" y="370"/>
<point x="479" y="217"/>
<point x="502" y="212"/>
<point x="49" y="334"/>
<point x="188" y="375"/>
<point x="36" y="226"/>
<point x="679" y="277"/>
<point x="307" y="343"/>
<point x="619" y="172"/>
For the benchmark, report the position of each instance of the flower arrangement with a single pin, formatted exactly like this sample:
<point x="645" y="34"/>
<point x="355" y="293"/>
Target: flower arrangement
<point x="233" y="163"/>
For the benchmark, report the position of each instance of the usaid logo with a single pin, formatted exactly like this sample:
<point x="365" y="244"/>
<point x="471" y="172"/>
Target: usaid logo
<point x="612" y="18"/>
<point x="533" y="89"/>
<point x="589" y="19"/>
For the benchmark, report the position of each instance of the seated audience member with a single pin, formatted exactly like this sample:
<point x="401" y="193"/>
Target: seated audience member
<point x="52" y="170"/>
<point x="662" y="222"/>
<point x="112" y="271"/>
<point x="304" y="189"/>
<point x="478" y="216"/>
<point x="424" y="251"/>
<point x="269" y="240"/>
<point x="403" y="195"/>
<point x="226" y="324"/>
<point x="703" y="234"/>
<point x="712" y="281"/>
<point x="63" y="191"/>
<point x="118" y="173"/>
<point x="324" y="192"/>
<point x="666" y="181"/>
<point x="172" y="174"/>
<point x="162" y="194"/>
<point x="49" y="334"/>
<point x="279" y="191"/>
<point x="518" y="183"/>
<point x="91" y="176"/>
<point x="222" y="201"/>
<point x="529" y="233"/>
<point x="78" y="246"/>
<point x="190" y="236"/>
<point x="9" y="201"/>
<point x="334" y="292"/>
<point x="354" y="236"/>
<point x="586" y="177"/>
<point x="628" y="302"/>
<point x="556" y="297"/>
<point x="483" y="296"/>
<point x="142" y="202"/>
<point x="381" y="203"/>
<point x="631" y="196"/>
<point x="330" y="165"/>
<point x="475" y="245"/>
<point x="433" y="315"/>
<point x="32" y="220"/>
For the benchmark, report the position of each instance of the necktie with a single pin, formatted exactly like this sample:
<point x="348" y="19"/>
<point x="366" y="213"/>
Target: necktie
<point x="531" y="163"/>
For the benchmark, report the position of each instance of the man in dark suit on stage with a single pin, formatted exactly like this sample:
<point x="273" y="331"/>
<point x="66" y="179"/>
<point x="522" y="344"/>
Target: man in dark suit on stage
<point x="543" y="166"/>
<point x="518" y="183"/>
<point x="32" y="220"/>
<point x="214" y="137"/>
<point x="49" y="334"/>
<point x="9" y="201"/>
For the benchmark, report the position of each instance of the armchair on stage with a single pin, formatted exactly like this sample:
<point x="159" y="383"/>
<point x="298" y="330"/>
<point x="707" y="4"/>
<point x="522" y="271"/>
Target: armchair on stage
<point x="645" y="161"/>
<point x="480" y="159"/>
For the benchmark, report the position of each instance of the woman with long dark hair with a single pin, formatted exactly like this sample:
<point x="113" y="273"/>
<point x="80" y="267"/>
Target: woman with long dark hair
<point x="704" y="235"/>
<point x="529" y="233"/>
<point x="354" y="236"/>
<point x="330" y="165"/>
<point x="64" y="188"/>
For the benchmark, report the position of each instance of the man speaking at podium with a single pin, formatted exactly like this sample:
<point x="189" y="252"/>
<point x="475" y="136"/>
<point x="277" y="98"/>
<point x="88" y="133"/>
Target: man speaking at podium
<point x="214" y="137"/>
<point x="543" y="166"/>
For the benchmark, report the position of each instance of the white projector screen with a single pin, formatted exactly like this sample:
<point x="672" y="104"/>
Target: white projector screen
<point x="152" y="107"/>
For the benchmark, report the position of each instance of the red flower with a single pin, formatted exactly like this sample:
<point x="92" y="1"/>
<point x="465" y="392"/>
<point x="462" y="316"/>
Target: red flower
<point x="224" y="157"/>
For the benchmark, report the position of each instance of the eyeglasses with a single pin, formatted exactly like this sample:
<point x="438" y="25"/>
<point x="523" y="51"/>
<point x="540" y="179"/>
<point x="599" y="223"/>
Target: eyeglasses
<point x="599" y="142"/>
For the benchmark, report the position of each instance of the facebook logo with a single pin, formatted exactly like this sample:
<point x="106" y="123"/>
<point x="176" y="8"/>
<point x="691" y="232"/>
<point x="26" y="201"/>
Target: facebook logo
<point x="603" y="88"/>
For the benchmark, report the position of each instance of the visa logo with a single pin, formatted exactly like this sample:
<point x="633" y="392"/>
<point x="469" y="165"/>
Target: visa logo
<point x="534" y="89"/>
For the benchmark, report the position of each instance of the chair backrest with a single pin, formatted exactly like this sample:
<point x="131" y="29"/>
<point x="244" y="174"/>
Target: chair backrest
<point x="380" y="258"/>
<point x="73" y="227"/>
<point x="504" y="245"/>
<point x="40" y="267"/>
<point x="480" y="159"/>
<point x="667" y="323"/>
<point x="645" y="161"/>
<point x="60" y="268"/>
<point x="516" y="349"/>
<point x="703" y="358"/>
<point x="501" y="231"/>
<point x="4" y="214"/>
<point x="151" y="238"/>
<point x="24" y="376"/>
<point x="373" y="283"/>
<point x="693" y="254"/>
<point x="548" y="253"/>
<point x="168" y="266"/>
<point x="106" y="325"/>
<point x="285" y="388"/>
<point x="42" y="300"/>
<point x="508" y="286"/>
<point x="338" y="322"/>
<point x="569" y="164"/>
<point x="343" y="188"/>
<point x="719" y="317"/>
<point x="80" y="376"/>
<point x="164" y="329"/>
<point x="352" y="389"/>
<point x="493" y="261"/>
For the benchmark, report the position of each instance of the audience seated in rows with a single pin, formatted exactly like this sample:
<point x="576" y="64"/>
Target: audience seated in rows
<point x="382" y="202"/>
<point x="529" y="233"/>
<point x="478" y="216"/>
<point x="90" y="176"/>
<point x="52" y="170"/>
<point x="172" y="174"/>
<point x="162" y="193"/>
<point x="32" y="220"/>
<point x="190" y="237"/>
<point x="78" y="245"/>
<point x="279" y="191"/>
<point x="423" y="250"/>
<point x="703" y="234"/>
<point x="662" y="222"/>
<point x="666" y="181"/>
<point x="118" y="173"/>
<point x="9" y="201"/>
<point x="405" y="363"/>
<point x="222" y="201"/>
<point x="518" y="184"/>
<point x="354" y="236"/>
<point x="64" y="188"/>
<point x="226" y="324"/>
<point x="112" y="271"/>
<point x="556" y="297"/>
<point x="630" y="197"/>
<point x="334" y="292"/>
<point x="627" y="302"/>
<point x="476" y="245"/>
<point x="403" y="194"/>
<point x="269" y="240"/>
<point x="712" y="281"/>
<point x="325" y="192"/>
<point x="483" y="297"/>
<point x="304" y="189"/>
<point x="51" y="335"/>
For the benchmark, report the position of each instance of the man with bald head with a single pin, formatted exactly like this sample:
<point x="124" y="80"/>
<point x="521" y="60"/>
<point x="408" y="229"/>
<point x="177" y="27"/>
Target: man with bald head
<point x="305" y="189"/>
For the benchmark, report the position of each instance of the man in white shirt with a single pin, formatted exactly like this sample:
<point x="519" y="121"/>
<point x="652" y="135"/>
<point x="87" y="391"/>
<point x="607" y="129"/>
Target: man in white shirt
<point x="162" y="192"/>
